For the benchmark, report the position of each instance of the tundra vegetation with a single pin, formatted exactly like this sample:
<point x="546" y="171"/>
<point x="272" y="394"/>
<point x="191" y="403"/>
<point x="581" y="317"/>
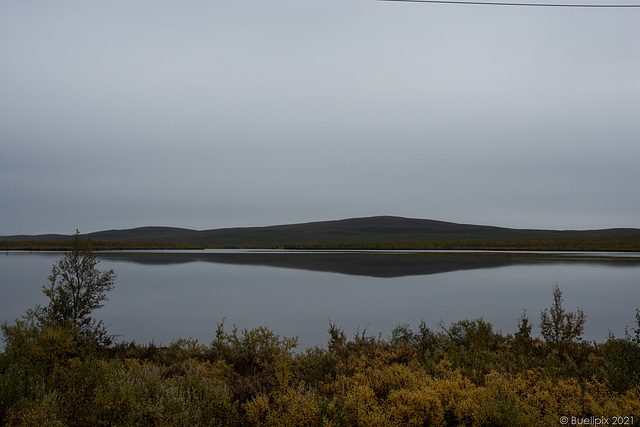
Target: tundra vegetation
<point x="60" y="368"/>
<point x="622" y="243"/>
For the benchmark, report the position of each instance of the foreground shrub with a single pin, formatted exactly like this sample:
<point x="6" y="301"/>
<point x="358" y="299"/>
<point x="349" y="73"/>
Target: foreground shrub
<point x="260" y="359"/>
<point x="285" y="407"/>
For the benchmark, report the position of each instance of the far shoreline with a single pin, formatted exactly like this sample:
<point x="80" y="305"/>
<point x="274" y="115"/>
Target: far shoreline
<point x="623" y="243"/>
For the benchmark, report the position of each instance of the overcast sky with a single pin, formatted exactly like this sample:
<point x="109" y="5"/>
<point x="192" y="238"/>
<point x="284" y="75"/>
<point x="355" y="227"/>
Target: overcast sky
<point x="207" y="114"/>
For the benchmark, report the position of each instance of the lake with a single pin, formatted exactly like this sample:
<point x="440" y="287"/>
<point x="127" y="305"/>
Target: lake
<point x="160" y="296"/>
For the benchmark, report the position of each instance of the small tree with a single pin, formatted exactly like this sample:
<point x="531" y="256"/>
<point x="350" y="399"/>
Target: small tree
<point x="559" y="327"/>
<point x="77" y="288"/>
<point x="522" y="338"/>
<point x="636" y="337"/>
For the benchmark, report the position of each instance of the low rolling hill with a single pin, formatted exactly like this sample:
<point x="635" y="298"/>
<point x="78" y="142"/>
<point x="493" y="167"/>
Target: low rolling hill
<point x="353" y="230"/>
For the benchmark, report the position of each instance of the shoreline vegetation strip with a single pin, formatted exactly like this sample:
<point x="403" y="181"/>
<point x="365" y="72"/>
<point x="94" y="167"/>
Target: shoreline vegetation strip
<point x="626" y="243"/>
<point x="464" y="374"/>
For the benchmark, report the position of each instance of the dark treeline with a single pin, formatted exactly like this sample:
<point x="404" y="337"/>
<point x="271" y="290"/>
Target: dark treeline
<point x="65" y="245"/>
<point x="627" y="243"/>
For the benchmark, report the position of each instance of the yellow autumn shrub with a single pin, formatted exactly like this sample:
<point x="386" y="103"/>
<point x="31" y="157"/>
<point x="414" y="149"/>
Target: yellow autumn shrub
<point x="415" y="407"/>
<point x="290" y="407"/>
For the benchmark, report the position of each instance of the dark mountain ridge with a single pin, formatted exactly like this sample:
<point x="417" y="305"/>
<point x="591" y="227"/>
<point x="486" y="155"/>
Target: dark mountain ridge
<point x="369" y="229"/>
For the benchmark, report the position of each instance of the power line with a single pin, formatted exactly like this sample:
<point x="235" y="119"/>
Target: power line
<point x="496" y="3"/>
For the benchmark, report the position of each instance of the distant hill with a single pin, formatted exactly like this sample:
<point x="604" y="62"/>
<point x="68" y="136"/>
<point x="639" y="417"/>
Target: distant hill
<point x="370" y="229"/>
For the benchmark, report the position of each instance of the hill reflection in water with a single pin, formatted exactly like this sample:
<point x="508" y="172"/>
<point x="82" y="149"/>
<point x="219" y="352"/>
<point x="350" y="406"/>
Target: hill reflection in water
<point x="370" y="263"/>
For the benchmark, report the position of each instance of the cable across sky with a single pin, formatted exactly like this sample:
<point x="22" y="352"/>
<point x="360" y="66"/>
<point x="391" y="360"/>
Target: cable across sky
<point x="496" y="3"/>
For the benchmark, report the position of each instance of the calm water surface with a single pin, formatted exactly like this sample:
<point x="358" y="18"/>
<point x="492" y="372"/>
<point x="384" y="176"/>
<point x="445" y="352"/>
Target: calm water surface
<point x="161" y="296"/>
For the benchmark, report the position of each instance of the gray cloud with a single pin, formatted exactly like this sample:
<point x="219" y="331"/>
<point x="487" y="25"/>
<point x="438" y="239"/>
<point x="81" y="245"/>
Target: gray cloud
<point x="217" y="114"/>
